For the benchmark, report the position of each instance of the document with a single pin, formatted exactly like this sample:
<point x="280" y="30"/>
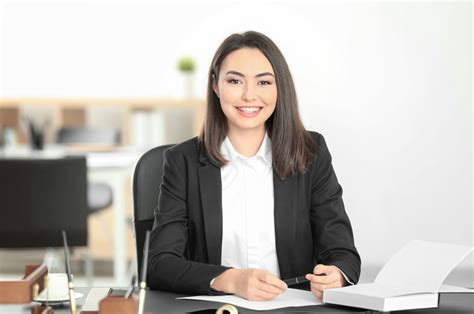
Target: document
<point x="411" y="279"/>
<point x="289" y="298"/>
<point x="453" y="289"/>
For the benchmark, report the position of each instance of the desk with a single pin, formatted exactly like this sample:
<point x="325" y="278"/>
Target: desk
<point x="165" y="302"/>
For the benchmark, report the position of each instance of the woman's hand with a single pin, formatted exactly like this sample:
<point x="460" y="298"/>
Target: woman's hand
<point x="251" y="284"/>
<point x="332" y="279"/>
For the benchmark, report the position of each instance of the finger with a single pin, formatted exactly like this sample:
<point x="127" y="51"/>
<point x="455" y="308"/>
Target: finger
<point x="268" y="278"/>
<point x="317" y="294"/>
<point x="322" y="287"/>
<point x="269" y="288"/>
<point x="261" y="295"/>
<point x="320" y="279"/>
<point x="322" y="269"/>
<point x="335" y="275"/>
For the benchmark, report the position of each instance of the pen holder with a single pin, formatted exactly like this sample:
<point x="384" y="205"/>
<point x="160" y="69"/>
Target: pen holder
<point x="118" y="304"/>
<point x="21" y="291"/>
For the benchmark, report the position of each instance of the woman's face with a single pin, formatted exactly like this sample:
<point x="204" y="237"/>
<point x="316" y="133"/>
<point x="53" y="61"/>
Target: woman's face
<point x="246" y="89"/>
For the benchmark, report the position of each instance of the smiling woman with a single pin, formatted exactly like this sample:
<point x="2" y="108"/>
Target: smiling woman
<point x="254" y="200"/>
<point x="247" y="96"/>
<point x="256" y="64"/>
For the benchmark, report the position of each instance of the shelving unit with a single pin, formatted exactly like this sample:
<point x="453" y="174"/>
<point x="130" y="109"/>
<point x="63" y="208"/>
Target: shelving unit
<point x="71" y="112"/>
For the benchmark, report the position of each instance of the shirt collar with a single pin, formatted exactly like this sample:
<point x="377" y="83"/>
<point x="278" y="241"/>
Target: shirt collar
<point x="264" y="152"/>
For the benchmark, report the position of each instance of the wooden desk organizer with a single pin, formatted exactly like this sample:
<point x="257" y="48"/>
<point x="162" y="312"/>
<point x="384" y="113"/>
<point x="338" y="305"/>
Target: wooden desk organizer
<point x="21" y="291"/>
<point x="118" y="304"/>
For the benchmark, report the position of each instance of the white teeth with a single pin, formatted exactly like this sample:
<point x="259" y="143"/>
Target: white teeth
<point x="249" y="109"/>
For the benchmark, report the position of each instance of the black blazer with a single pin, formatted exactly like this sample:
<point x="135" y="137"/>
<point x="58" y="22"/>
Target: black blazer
<point x="311" y="225"/>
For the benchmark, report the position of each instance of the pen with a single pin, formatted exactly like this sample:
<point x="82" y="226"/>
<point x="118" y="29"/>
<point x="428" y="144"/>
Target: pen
<point x="141" y="296"/>
<point x="297" y="280"/>
<point x="132" y="287"/>
<point x="72" y="298"/>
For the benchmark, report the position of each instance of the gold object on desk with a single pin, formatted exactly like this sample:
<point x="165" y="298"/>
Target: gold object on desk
<point x="72" y="297"/>
<point x="141" y="300"/>
<point x="227" y="308"/>
<point x="46" y="286"/>
<point x="35" y="291"/>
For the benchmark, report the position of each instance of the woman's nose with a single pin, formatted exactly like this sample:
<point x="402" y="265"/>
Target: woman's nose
<point x="248" y="93"/>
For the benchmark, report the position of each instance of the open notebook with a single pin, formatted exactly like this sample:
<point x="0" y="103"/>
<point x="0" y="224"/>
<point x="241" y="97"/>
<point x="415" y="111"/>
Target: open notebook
<point x="411" y="279"/>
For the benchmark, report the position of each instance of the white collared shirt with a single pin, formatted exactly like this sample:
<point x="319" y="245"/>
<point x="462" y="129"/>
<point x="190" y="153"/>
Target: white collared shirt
<point x="248" y="229"/>
<point x="248" y="237"/>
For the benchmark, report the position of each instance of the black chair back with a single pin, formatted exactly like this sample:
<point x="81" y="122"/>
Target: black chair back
<point x="41" y="197"/>
<point x="147" y="179"/>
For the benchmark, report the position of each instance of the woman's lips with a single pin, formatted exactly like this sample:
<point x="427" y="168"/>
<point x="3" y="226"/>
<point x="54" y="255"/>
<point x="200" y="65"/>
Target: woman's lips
<point x="248" y="111"/>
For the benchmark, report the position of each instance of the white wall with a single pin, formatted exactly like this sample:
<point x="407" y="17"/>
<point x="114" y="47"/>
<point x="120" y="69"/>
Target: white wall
<point x="388" y="84"/>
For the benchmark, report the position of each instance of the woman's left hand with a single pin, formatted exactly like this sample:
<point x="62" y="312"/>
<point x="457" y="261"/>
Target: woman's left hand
<point x="333" y="278"/>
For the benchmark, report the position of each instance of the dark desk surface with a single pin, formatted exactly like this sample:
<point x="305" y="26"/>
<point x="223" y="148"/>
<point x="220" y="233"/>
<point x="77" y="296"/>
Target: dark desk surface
<point x="165" y="302"/>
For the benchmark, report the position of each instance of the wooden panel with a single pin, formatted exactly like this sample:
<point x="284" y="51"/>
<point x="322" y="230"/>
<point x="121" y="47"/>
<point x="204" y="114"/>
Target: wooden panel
<point x="9" y="117"/>
<point x="73" y="117"/>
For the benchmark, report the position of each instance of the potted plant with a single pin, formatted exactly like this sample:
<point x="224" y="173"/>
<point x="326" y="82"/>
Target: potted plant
<point x="187" y="65"/>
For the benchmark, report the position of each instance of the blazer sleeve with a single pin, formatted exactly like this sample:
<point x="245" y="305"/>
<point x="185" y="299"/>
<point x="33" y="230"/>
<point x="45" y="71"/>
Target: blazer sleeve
<point x="169" y="267"/>
<point x="332" y="231"/>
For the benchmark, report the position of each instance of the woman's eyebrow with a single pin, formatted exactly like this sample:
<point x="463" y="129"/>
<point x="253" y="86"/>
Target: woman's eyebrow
<point x="240" y="74"/>
<point x="264" y="74"/>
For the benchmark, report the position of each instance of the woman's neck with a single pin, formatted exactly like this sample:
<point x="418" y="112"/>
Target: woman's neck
<point x="246" y="142"/>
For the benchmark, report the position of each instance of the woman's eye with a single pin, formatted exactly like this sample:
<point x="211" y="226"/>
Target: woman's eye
<point x="233" y="81"/>
<point x="265" y="83"/>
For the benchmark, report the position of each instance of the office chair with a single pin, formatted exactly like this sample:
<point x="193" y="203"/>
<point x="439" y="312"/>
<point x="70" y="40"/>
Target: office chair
<point x="41" y="197"/>
<point x="147" y="178"/>
<point x="99" y="194"/>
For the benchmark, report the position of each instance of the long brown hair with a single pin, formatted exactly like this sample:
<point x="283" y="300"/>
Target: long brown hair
<point x="293" y="148"/>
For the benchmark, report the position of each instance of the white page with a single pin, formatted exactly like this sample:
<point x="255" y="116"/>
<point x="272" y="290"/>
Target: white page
<point x="291" y="297"/>
<point x="453" y="289"/>
<point x="422" y="266"/>
<point x="375" y="290"/>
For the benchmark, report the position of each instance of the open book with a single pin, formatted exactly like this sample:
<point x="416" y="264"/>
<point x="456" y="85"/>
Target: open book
<point x="411" y="279"/>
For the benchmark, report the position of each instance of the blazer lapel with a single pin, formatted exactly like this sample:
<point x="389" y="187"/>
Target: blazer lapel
<point x="285" y="212"/>
<point x="211" y="202"/>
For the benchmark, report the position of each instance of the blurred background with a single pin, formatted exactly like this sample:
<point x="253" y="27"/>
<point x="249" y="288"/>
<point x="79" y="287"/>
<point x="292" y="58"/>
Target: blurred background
<point x="389" y="85"/>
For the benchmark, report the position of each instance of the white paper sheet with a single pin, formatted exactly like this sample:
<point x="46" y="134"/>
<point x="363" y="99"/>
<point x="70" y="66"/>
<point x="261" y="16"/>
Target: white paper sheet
<point x="289" y="298"/>
<point x="453" y="289"/>
<point x="376" y="290"/>
<point x="421" y="266"/>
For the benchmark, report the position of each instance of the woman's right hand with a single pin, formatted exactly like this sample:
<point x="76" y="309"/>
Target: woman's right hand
<point x="251" y="284"/>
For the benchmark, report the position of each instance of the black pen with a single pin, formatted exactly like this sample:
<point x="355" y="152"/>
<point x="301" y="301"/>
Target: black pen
<point x="297" y="280"/>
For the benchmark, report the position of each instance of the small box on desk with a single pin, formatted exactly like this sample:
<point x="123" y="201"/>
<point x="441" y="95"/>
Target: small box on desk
<point x="21" y="291"/>
<point x="108" y="301"/>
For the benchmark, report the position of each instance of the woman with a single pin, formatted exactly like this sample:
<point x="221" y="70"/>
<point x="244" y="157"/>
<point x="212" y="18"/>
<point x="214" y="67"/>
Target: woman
<point x="254" y="200"/>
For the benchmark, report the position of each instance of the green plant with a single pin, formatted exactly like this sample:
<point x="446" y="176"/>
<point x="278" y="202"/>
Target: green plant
<point x="186" y="64"/>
